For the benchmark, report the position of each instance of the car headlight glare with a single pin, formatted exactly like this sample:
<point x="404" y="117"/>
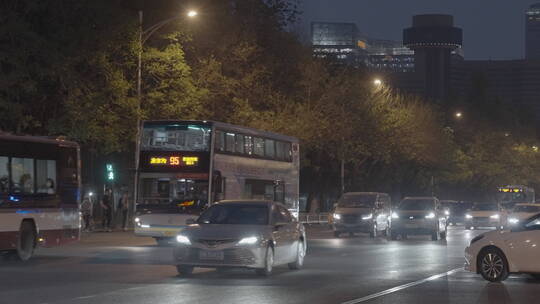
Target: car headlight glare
<point x="430" y="215"/>
<point x="395" y="215"/>
<point x="137" y="220"/>
<point x="513" y="220"/>
<point x="182" y="239"/>
<point x="367" y="216"/>
<point x="495" y="216"/>
<point x="446" y="212"/>
<point x="468" y="216"/>
<point x="248" y="240"/>
<point x="337" y="216"/>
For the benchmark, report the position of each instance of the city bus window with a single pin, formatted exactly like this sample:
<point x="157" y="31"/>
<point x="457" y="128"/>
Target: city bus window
<point x="175" y="137"/>
<point x="46" y="176"/>
<point x="229" y="142"/>
<point x="220" y="141"/>
<point x="22" y="175"/>
<point x="288" y="152"/>
<point x="4" y="174"/>
<point x="239" y="144"/>
<point x="280" y="150"/>
<point x="248" y="145"/>
<point x="269" y="150"/>
<point x="258" y="146"/>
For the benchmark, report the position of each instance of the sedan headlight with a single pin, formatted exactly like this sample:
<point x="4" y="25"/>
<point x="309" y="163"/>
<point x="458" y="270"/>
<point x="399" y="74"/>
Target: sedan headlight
<point x="248" y="240"/>
<point x="495" y="216"/>
<point x="182" y="239"/>
<point x="395" y="215"/>
<point x="446" y="212"/>
<point x="430" y="215"/>
<point x="468" y="216"/>
<point x="337" y="216"/>
<point x="137" y="220"/>
<point x="513" y="220"/>
<point x="367" y="216"/>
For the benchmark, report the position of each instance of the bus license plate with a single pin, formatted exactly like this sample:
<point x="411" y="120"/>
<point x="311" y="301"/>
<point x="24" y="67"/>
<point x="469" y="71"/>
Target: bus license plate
<point x="211" y="255"/>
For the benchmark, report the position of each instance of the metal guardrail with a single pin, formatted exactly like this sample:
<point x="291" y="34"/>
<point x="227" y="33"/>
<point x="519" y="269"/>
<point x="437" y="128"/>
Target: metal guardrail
<point x="319" y="218"/>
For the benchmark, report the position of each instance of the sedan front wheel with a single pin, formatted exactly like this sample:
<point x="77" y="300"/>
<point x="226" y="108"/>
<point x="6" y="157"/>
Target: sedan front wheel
<point x="493" y="266"/>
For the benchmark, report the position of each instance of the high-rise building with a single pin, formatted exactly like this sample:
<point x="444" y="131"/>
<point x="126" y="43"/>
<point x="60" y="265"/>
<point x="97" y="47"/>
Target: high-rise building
<point x="532" y="32"/>
<point x="344" y="43"/>
<point x="335" y="40"/>
<point x="433" y="38"/>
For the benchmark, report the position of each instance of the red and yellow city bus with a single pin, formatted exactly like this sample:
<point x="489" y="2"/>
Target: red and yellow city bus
<point x="39" y="193"/>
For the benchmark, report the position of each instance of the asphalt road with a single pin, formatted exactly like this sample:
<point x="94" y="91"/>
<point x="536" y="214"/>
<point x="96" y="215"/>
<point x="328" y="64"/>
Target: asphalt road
<point x="120" y="268"/>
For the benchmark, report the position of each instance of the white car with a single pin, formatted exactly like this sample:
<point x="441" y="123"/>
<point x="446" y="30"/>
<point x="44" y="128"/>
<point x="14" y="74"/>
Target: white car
<point x="496" y="254"/>
<point x="522" y="212"/>
<point x="485" y="215"/>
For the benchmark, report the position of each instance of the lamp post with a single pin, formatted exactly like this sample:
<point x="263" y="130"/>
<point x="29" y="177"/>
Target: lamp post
<point x="144" y="35"/>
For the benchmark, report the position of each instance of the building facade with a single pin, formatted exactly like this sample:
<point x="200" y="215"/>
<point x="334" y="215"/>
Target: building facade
<point x="532" y="32"/>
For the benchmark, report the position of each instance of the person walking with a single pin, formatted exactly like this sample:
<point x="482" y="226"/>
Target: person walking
<point x="124" y="208"/>
<point x="106" y="205"/>
<point x="87" y="207"/>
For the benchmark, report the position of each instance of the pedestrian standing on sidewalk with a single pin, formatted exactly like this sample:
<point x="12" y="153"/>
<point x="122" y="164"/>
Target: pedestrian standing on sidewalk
<point x="106" y="205"/>
<point x="87" y="207"/>
<point x="124" y="208"/>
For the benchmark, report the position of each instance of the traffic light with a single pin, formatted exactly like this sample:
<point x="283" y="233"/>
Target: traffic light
<point x="110" y="172"/>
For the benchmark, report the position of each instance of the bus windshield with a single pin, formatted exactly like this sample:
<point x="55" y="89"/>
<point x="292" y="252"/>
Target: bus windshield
<point x="175" y="137"/>
<point x="174" y="194"/>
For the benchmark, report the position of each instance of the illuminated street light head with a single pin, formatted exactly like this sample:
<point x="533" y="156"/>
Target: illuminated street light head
<point x="377" y="82"/>
<point x="459" y="115"/>
<point x="192" y="13"/>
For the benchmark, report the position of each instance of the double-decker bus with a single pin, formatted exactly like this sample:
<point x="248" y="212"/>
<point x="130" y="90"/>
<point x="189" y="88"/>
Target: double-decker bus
<point x="510" y="195"/>
<point x="39" y="193"/>
<point x="187" y="165"/>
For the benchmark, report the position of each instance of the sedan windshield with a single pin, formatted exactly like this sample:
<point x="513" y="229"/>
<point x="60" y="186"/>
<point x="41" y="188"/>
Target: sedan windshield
<point x="527" y="209"/>
<point x="485" y="207"/>
<point x="416" y="204"/>
<point x="235" y="214"/>
<point x="357" y="200"/>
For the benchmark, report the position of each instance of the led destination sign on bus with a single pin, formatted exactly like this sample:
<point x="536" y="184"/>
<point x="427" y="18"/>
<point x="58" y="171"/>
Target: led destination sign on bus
<point x="174" y="161"/>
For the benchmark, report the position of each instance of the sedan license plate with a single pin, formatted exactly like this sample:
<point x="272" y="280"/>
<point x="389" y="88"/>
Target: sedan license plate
<point x="211" y="255"/>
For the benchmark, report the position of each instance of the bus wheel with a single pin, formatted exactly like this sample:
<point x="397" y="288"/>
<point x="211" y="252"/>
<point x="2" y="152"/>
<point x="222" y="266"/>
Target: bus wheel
<point x="27" y="241"/>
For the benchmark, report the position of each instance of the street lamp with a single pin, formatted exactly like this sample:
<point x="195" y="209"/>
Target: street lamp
<point x="377" y="82"/>
<point x="144" y="35"/>
<point x="459" y="115"/>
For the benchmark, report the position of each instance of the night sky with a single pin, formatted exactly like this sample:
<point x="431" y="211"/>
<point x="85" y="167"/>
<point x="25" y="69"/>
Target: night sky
<point x="491" y="28"/>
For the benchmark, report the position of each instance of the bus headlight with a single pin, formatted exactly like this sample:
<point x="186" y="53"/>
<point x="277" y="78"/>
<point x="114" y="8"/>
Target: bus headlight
<point x="495" y="216"/>
<point x="395" y="215"/>
<point x="430" y="215"/>
<point x="367" y="217"/>
<point x="468" y="216"/>
<point x="337" y="216"/>
<point x="182" y="239"/>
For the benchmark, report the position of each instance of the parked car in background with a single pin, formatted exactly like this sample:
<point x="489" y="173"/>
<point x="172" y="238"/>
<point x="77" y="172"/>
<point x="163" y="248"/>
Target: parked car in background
<point x="496" y="254"/>
<point x="522" y="212"/>
<point x="367" y="212"/>
<point x="419" y="215"/>
<point x="242" y="233"/>
<point x="485" y="215"/>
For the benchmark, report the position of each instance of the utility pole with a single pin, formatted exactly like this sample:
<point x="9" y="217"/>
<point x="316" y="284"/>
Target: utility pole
<point x="139" y="100"/>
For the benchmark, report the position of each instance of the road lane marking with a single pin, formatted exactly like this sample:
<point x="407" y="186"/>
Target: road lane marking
<point x="404" y="286"/>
